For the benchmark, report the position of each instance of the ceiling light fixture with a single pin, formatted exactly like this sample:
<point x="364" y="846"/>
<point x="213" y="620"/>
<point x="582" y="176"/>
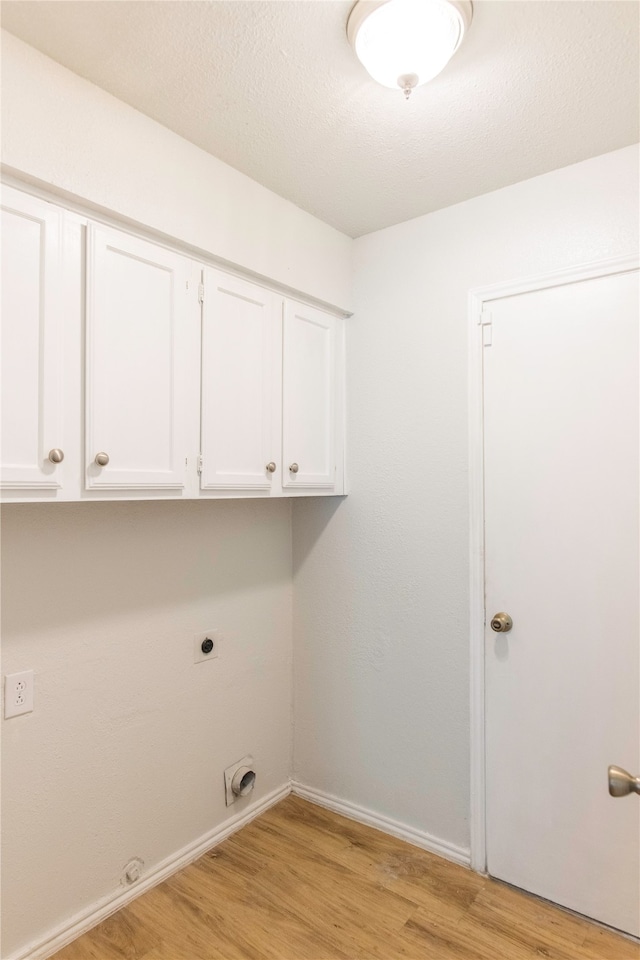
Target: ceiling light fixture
<point x="405" y="43"/>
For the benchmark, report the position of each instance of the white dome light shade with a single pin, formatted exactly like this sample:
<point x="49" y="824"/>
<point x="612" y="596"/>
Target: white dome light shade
<point x="405" y="43"/>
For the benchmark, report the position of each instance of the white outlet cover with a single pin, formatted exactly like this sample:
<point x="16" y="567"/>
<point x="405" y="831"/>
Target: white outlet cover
<point x="199" y="656"/>
<point x="18" y="693"/>
<point x="229" y="795"/>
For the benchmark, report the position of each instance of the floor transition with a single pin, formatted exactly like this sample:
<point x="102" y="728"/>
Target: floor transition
<point x="301" y="883"/>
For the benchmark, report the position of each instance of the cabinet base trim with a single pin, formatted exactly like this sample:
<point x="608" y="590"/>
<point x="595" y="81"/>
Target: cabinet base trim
<point x="135" y="486"/>
<point x="30" y="485"/>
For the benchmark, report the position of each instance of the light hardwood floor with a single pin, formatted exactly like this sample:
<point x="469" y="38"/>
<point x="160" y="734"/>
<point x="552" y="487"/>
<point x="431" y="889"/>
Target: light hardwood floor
<point x="301" y="883"/>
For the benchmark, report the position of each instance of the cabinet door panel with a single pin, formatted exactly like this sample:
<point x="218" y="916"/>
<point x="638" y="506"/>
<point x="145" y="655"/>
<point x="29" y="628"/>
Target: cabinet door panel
<point x="240" y="384"/>
<point x="31" y="341"/>
<point x="309" y="389"/>
<point x="136" y="362"/>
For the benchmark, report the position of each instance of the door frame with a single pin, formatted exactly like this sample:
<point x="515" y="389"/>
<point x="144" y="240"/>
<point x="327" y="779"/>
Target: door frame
<point x="478" y="301"/>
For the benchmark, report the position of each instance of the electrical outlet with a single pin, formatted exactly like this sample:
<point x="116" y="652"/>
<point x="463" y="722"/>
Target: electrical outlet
<point x="206" y="646"/>
<point x="18" y="693"/>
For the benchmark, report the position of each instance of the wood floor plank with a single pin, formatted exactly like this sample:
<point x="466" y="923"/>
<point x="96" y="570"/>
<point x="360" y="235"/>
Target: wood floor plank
<point x="351" y="911"/>
<point x="412" y="873"/>
<point x="234" y="858"/>
<point x="119" y="937"/>
<point x="258" y="924"/>
<point x="301" y="883"/>
<point x="186" y="931"/>
<point x="310" y="825"/>
<point x="508" y="913"/>
<point x="415" y="874"/>
<point x="273" y="844"/>
<point x="423" y="937"/>
<point x="601" y="944"/>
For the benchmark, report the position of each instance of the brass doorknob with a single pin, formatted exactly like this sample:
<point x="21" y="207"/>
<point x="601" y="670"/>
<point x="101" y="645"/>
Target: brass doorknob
<point x="102" y="459"/>
<point x="501" y="623"/>
<point x="271" y="467"/>
<point x="294" y="468"/>
<point x="56" y="455"/>
<point x="622" y="783"/>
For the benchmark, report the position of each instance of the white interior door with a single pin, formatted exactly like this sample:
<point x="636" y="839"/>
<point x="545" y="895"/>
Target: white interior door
<point x="309" y="392"/>
<point x="137" y="363"/>
<point x="32" y="341"/>
<point x="561" y="516"/>
<point x="241" y="385"/>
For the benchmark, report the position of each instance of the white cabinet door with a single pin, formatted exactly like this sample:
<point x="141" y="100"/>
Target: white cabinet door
<point x="241" y="333"/>
<point x="31" y="341"/>
<point x="137" y="363"/>
<point x="309" y="398"/>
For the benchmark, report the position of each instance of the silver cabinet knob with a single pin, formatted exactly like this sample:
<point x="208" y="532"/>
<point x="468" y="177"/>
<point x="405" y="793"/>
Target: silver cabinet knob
<point x="56" y="455"/>
<point x="622" y="783"/>
<point x="501" y="623"/>
<point x="271" y="467"/>
<point x="102" y="459"/>
<point x="294" y="468"/>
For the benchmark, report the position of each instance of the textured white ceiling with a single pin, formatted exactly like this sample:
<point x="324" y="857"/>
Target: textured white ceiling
<point x="272" y="88"/>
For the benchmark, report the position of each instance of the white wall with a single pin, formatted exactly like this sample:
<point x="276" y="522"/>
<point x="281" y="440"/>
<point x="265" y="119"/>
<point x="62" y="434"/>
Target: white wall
<point x="381" y="581"/>
<point x="69" y="135"/>
<point x="124" y="752"/>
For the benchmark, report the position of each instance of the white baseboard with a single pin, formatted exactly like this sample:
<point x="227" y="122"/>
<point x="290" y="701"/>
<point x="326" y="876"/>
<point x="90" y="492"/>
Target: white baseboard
<point x="63" y="934"/>
<point x="418" y="838"/>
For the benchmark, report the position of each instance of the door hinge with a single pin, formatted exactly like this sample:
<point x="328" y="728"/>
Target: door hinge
<point x="201" y="293"/>
<point x="487" y="328"/>
<point x="200" y="464"/>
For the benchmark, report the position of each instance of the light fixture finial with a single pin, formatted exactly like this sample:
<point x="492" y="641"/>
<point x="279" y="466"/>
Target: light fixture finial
<point x="408" y="82"/>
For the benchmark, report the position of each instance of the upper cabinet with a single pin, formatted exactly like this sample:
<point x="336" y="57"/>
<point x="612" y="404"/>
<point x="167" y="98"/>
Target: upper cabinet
<point x="271" y="392"/>
<point x="130" y="371"/>
<point x="31" y="339"/>
<point x="136" y="358"/>
<point x="310" y="373"/>
<point x="241" y="329"/>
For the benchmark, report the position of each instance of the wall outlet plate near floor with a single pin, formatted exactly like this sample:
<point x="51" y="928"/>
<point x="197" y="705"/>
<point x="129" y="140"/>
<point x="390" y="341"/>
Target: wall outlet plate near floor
<point x="200" y="653"/>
